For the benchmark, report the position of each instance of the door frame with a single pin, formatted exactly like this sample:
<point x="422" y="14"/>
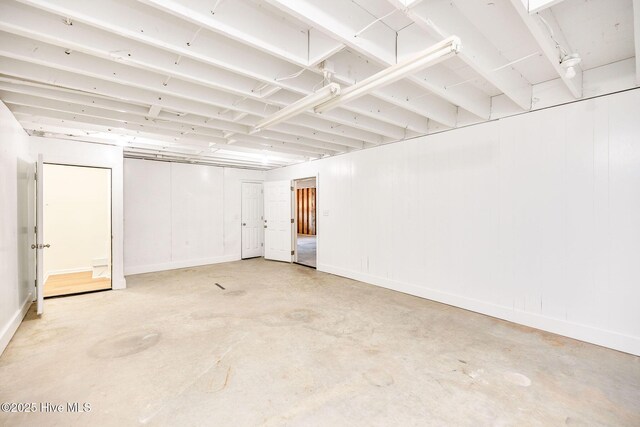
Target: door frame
<point x="251" y="181"/>
<point x="41" y="182"/>
<point x="294" y="207"/>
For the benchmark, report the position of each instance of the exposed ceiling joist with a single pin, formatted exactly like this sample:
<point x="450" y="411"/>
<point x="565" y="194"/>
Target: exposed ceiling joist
<point x="167" y="35"/>
<point x="241" y="155"/>
<point x="24" y="49"/>
<point x="430" y="56"/>
<point x="247" y="23"/>
<point x="441" y="19"/>
<point x="29" y="22"/>
<point x="16" y="94"/>
<point x="440" y="80"/>
<point x="543" y="37"/>
<point x="91" y="100"/>
<point x="436" y="111"/>
<point x="188" y="131"/>
<point x="178" y="75"/>
<point x="381" y="107"/>
<point x="535" y="6"/>
<point x="162" y="129"/>
<point x="321" y="47"/>
<point x="77" y="127"/>
<point x="377" y="42"/>
<point x="307" y="126"/>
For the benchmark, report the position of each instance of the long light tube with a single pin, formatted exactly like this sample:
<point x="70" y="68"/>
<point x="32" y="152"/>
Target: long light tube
<point x="307" y="103"/>
<point x="433" y="55"/>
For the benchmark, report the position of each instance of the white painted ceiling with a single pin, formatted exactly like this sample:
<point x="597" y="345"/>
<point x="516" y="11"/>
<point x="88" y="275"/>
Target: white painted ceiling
<point x="186" y="80"/>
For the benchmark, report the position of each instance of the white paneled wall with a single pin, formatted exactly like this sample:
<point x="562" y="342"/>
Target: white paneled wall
<point x="181" y="215"/>
<point x="197" y="222"/>
<point x="533" y="218"/>
<point x="16" y="258"/>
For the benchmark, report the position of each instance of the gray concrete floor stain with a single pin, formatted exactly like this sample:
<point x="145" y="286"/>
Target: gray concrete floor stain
<point x="124" y="344"/>
<point x="284" y="345"/>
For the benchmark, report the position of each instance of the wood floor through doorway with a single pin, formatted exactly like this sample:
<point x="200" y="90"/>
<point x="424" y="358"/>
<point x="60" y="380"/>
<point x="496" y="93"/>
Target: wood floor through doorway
<point x="74" y="283"/>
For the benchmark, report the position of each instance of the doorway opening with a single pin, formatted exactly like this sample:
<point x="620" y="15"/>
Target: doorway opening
<point x="252" y="216"/>
<point x="77" y="229"/>
<point x="305" y="230"/>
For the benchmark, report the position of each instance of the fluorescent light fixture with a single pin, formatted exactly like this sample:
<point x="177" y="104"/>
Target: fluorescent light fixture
<point x="307" y="103"/>
<point x="433" y="55"/>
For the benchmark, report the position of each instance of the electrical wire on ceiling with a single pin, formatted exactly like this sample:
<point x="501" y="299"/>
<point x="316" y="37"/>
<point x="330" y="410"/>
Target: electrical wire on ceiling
<point x="260" y="87"/>
<point x="290" y="76"/>
<point x="215" y="6"/>
<point x="561" y="50"/>
<point x="568" y="61"/>
<point x="374" y="22"/>
<point x="326" y="79"/>
<point x="195" y="35"/>
<point x="495" y="69"/>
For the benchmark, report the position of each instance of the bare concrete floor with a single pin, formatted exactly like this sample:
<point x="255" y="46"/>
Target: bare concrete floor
<point x="287" y="345"/>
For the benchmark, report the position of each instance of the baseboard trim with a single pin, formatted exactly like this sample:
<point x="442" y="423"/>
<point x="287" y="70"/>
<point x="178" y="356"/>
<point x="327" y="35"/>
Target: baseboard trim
<point x="590" y="334"/>
<point x="65" y="271"/>
<point x="12" y="326"/>
<point x="69" y="271"/>
<point x="173" y="265"/>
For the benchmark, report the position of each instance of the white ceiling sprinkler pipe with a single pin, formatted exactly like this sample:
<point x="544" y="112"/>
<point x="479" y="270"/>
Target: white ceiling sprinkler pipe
<point x="307" y="103"/>
<point x="431" y="56"/>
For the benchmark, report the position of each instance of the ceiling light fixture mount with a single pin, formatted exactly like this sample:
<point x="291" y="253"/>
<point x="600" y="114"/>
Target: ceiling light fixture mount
<point x="309" y="102"/>
<point x="569" y="63"/>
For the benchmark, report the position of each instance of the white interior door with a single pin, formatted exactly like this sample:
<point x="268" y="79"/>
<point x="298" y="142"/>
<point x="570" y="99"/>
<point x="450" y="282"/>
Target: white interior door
<point x="252" y="219"/>
<point x="277" y="220"/>
<point x="39" y="245"/>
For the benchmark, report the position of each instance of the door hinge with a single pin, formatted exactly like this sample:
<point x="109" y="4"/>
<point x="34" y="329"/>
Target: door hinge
<point x="291" y="188"/>
<point x="291" y="220"/>
<point x="35" y="283"/>
<point x="293" y="252"/>
<point x="35" y="229"/>
<point x="35" y="176"/>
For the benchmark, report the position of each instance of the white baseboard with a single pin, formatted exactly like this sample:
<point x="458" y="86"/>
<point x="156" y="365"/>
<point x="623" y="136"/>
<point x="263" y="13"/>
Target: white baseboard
<point x="69" y="271"/>
<point x="47" y="274"/>
<point x="172" y="265"/>
<point x="12" y="326"/>
<point x="605" y="338"/>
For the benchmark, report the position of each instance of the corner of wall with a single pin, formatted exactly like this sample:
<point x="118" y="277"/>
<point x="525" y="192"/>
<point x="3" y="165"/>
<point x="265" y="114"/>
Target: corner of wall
<point x="12" y="326"/>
